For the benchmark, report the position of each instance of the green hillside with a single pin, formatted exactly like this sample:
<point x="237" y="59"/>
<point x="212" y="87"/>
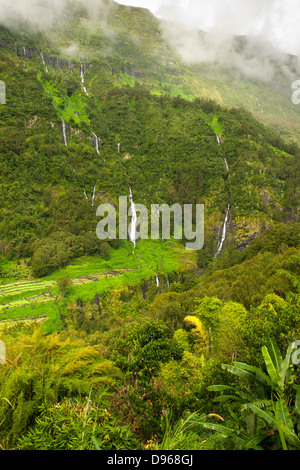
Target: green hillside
<point x="132" y="336"/>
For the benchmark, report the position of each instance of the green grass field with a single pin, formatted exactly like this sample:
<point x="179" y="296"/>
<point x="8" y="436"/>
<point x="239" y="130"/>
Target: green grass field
<point x="32" y="299"/>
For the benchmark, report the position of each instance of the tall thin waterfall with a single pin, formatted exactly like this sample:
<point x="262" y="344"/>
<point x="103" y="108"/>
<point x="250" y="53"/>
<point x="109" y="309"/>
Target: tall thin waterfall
<point x="133" y="224"/>
<point x="226" y="164"/>
<point x="219" y="143"/>
<point x="96" y="143"/>
<point x="119" y="147"/>
<point x="84" y="192"/>
<point x="43" y="59"/>
<point x="82" y="73"/>
<point x="220" y="245"/>
<point x="157" y="280"/>
<point x="64" y="133"/>
<point x="93" y="197"/>
<point x="168" y="281"/>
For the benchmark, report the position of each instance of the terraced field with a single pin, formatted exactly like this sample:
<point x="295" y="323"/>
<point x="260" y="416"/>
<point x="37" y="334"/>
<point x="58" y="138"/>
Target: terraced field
<point x="27" y="300"/>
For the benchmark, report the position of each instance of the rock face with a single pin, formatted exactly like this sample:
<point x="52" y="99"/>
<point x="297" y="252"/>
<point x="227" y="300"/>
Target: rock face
<point x="246" y="230"/>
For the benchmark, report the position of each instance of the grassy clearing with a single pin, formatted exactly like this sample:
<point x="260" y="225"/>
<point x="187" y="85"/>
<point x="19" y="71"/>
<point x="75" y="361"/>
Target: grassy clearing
<point x="73" y="106"/>
<point x="31" y="300"/>
<point x="215" y="125"/>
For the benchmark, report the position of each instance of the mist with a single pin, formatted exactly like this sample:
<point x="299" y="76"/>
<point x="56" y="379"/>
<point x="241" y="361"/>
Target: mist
<point x="199" y="31"/>
<point x="44" y="13"/>
<point x="207" y="32"/>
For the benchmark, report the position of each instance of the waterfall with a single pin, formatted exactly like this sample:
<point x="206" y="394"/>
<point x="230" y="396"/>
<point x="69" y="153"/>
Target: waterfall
<point x="219" y="143"/>
<point x="220" y="245"/>
<point x="64" y="133"/>
<point x="119" y="147"/>
<point x="93" y="197"/>
<point x="43" y="59"/>
<point x="157" y="280"/>
<point x="226" y="164"/>
<point x="132" y="231"/>
<point x="84" y="192"/>
<point x="96" y="143"/>
<point x="168" y="281"/>
<point x="82" y="73"/>
<point x="24" y="52"/>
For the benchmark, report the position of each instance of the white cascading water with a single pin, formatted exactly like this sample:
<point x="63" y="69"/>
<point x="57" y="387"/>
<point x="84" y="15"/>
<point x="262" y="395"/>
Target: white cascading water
<point x="168" y="281"/>
<point x="157" y="280"/>
<point x="64" y="133"/>
<point x="226" y="164"/>
<point x="133" y="224"/>
<point x="219" y="143"/>
<point x="119" y="147"/>
<point x="96" y="143"/>
<point x="82" y="73"/>
<point x="220" y="245"/>
<point x="93" y="197"/>
<point x="221" y="242"/>
<point x="43" y="59"/>
<point x="84" y="192"/>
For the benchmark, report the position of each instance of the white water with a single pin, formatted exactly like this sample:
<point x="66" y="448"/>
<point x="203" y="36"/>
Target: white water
<point x="82" y="73"/>
<point x="93" y="197"/>
<point x="132" y="231"/>
<point x="157" y="280"/>
<point x="220" y="245"/>
<point x="96" y="143"/>
<point x="226" y="164"/>
<point x="43" y="59"/>
<point x="84" y="192"/>
<point x="168" y="282"/>
<point x="219" y="143"/>
<point x="64" y="133"/>
<point x="119" y="147"/>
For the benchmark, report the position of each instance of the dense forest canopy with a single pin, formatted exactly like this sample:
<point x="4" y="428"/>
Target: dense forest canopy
<point x="108" y="346"/>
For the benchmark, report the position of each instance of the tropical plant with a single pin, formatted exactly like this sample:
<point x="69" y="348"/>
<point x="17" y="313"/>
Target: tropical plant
<point x="273" y="396"/>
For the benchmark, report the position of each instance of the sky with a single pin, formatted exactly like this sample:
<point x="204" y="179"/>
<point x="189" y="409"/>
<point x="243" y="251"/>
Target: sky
<point x="275" y="21"/>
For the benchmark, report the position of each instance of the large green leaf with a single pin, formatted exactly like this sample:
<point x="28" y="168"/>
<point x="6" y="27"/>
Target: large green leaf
<point x="227" y="398"/>
<point x="284" y="415"/>
<point x="219" y="388"/>
<point x="275" y="354"/>
<point x="270" y="365"/>
<point x="284" y="377"/>
<point x="265" y="415"/>
<point x="251" y="373"/>
<point x="254" y="441"/>
<point x="225" y="431"/>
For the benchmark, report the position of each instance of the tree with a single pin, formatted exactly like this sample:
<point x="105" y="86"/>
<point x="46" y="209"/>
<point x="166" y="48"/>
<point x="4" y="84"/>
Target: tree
<point x="64" y="282"/>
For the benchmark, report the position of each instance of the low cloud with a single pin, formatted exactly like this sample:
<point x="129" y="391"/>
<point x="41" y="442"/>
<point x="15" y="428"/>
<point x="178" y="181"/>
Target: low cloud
<point x="44" y="13"/>
<point x="237" y="34"/>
